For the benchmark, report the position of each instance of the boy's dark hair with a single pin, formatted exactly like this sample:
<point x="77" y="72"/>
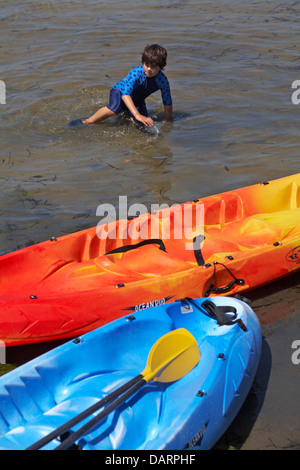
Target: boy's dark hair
<point x="155" y="55"/>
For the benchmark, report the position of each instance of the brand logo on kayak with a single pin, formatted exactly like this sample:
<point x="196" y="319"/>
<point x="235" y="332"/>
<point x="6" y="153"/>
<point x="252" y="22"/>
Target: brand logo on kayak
<point x="294" y="255"/>
<point x="2" y="92"/>
<point x="296" y="94"/>
<point x="179" y="222"/>
<point x="152" y="303"/>
<point x="196" y="440"/>
<point x="296" y="354"/>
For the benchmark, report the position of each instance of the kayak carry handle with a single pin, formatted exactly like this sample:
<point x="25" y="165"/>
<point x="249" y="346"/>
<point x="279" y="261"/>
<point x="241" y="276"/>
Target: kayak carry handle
<point x="218" y="312"/>
<point x="125" y="248"/>
<point x="221" y="290"/>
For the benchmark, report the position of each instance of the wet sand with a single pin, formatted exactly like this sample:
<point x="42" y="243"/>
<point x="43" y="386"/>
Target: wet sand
<point x="270" y="416"/>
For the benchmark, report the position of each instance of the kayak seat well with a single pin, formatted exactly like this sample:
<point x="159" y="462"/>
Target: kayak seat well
<point x="148" y="260"/>
<point x="223" y="209"/>
<point x="159" y="258"/>
<point x="250" y="233"/>
<point x="176" y="228"/>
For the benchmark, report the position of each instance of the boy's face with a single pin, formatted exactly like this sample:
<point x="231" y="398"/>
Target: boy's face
<point x="151" y="70"/>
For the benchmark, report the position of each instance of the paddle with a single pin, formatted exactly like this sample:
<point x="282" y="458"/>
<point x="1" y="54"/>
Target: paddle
<point x="170" y="358"/>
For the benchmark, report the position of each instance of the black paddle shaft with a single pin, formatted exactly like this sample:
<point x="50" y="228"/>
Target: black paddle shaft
<point x="100" y="417"/>
<point x="84" y="414"/>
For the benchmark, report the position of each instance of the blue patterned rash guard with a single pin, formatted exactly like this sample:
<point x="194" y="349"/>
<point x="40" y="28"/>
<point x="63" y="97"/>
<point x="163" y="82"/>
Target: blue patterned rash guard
<point x="139" y="87"/>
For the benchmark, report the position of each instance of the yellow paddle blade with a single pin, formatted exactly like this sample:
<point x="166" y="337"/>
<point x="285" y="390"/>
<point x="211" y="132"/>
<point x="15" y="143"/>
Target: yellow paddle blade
<point x="172" y="356"/>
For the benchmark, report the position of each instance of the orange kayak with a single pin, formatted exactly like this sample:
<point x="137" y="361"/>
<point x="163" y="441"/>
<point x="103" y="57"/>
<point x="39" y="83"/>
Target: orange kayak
<point x="219" y="245"/>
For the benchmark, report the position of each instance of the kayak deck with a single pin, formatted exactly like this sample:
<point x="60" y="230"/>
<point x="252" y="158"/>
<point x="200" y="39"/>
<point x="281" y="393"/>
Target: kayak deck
<point x="43" y="394"/>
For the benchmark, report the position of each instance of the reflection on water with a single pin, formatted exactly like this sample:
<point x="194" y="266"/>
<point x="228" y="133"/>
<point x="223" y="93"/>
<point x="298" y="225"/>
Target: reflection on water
<point x="230" y="65"/>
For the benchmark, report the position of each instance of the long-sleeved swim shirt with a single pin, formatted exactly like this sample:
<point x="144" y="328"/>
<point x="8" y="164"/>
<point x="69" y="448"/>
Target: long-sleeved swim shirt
<point x="139" y="86"/>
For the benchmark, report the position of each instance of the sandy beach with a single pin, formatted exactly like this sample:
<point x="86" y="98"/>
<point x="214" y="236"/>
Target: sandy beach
<point x="270" y="417"/>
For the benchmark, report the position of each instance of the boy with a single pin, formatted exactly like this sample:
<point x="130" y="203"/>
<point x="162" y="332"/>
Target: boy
<point x="130" y="93"/>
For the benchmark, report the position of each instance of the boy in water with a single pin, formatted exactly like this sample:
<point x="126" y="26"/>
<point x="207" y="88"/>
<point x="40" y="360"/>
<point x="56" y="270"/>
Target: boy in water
<point x="130" y="93"/>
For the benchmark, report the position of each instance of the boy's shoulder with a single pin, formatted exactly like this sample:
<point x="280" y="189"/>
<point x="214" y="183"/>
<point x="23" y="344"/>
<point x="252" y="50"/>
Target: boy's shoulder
<point x="162" y="78"/>
<point x="136" y="70"/>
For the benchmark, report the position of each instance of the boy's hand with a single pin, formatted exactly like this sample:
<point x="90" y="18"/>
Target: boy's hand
<point x="132" y="108"/>
<point x="144" y="120"/>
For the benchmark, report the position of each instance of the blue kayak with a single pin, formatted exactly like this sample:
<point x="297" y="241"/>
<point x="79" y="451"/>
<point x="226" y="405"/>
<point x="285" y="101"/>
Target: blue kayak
<point x="91" y="393"/>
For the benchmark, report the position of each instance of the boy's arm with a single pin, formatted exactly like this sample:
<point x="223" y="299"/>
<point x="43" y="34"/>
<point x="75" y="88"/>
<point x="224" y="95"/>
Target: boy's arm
<point x="169" y="112"/>
<point x="139" y="117"/>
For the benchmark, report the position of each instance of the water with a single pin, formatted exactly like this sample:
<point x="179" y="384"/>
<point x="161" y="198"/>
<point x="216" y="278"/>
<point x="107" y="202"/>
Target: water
<point x="231" y="65"/>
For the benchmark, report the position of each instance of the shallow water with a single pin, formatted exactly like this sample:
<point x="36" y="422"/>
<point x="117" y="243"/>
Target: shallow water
<point x="231" y="66"/>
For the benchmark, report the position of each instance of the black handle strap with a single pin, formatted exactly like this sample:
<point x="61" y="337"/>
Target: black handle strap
<point x="125" y="248"/>
<point x="221" y="290"/>
<point x="197" y="249"/>
<point x="218" y="312"/>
